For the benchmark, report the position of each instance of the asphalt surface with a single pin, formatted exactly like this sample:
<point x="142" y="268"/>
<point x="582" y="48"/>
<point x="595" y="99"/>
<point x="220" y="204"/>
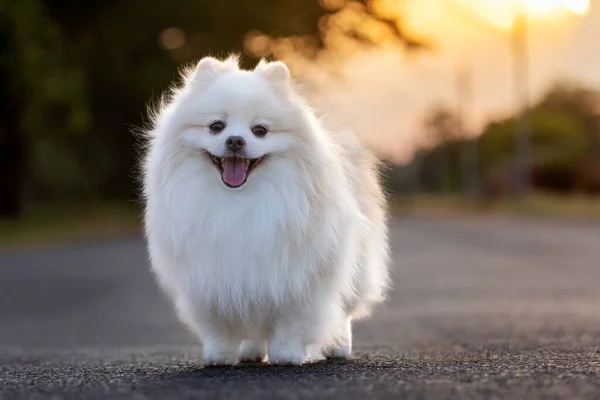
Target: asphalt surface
<point x="481" y="308"/>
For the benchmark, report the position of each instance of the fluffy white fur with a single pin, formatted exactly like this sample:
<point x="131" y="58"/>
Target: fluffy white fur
<point x="284" y="263"/>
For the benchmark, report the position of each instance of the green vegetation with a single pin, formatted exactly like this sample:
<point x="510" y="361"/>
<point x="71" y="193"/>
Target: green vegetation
<point x="564" y="139"/>
<point x="539" y="205"/>
<point x="45" y="224"/>
<point x="76" y="77"/>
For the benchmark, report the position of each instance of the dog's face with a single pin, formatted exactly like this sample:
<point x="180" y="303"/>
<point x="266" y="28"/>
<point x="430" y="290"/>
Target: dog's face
<point x="239" y="119"/>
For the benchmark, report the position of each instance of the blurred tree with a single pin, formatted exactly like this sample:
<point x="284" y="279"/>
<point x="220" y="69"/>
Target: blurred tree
<point x="341" y="28"/>
<point x="580" y="101"/>
<point x="76" y="76"/>
<point x="557" y="137"/>
<point x="559" y="143"/>
<point x="442" y="127"/>
<point x="12" y="143"/>
<point x="564" y="126"/>
<point x="46" y="103"/>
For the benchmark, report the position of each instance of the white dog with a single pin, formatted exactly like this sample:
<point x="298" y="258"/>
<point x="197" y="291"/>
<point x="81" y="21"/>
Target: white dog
<point x="267" y="232"/>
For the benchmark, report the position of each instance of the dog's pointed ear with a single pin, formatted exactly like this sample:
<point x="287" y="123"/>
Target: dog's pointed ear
<point x="209" y="69"/>
<point x="276" y="73"/>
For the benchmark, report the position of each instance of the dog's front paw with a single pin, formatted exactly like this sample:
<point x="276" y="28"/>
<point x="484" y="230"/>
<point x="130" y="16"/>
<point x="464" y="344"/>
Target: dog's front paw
<point x="219" y="356"/>
<point x="342" y="350"/>
<point x="339" y="353"/>
<point x="253" y="351"/>
<point x="286" y="354"/>
<point x="314" y="353"/>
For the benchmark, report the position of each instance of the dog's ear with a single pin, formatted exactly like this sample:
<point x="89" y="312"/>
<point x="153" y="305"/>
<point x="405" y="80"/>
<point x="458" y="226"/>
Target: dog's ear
<point x="209" y="69"/>
<point x="277" y="73"/>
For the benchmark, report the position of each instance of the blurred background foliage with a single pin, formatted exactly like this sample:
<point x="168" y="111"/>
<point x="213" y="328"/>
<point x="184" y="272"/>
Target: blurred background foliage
<point x="565" y="143"/>
<point x="75" y="79"/>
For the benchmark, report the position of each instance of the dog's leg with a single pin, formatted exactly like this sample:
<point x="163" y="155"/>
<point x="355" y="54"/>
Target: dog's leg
<point x="343" y="348"/>
<point x="286" y="345"/>
<point x="253" y="350"/>
<point x="286" y="351"/>
<point x="219" y="349"/>
<point x="220" y="345"/>
<point x="314" y="353"/>
<point x="303" y="327"/>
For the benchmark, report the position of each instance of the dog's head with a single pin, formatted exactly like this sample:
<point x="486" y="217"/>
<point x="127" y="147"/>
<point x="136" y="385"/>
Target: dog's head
<point x="237" y="119"/>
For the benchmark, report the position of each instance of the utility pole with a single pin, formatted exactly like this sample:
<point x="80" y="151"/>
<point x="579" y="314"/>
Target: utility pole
<point x="523" y="128"/>
<point x="469" y="157"/>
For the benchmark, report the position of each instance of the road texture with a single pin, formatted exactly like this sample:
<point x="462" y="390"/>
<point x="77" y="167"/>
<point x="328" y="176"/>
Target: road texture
<point x="481" y="308"/>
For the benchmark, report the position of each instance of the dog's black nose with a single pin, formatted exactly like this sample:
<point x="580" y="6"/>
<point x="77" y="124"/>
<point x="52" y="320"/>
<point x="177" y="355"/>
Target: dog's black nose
<point x="235" y="143"/>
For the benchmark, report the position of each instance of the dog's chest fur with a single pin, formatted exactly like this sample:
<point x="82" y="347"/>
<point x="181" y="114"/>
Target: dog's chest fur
<point x="265" y="248"/>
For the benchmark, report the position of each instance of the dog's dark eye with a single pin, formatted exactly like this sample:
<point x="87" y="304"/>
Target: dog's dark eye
<point x="217" y="127"/>
<point x="259" y="131"/>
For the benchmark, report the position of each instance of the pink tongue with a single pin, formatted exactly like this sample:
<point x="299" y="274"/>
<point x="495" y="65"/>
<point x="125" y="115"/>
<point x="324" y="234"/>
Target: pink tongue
<point x="234" y="171"/>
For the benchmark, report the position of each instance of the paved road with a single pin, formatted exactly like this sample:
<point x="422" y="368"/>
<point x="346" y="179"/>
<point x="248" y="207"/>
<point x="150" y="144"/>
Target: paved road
<point x="482" y="308"/>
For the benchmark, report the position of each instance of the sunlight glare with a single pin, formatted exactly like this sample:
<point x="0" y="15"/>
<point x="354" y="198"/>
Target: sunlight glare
<point x="540" y="7"/>
<point x="501" y="13"/>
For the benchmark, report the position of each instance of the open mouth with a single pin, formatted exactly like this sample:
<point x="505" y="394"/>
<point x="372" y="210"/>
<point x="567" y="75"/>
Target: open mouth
<point x="235" y="169"/>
